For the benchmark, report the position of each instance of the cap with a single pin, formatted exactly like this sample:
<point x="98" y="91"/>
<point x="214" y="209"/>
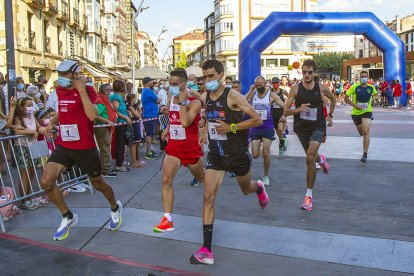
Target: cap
<point x="68" y="65"/>
<point x="275" y="79"/>
<point x="104" y="87"/>
<point x="146" y="80"/>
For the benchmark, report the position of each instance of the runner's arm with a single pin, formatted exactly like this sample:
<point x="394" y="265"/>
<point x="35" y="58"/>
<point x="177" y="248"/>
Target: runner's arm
<point x="250" y="93"/>
<point x="292" y="95"/>
<point x="187" y="116"/>
<point x="90" y="108"/>
<point x="330" y="96"/>
<point x="239" y="101"/>
<point x="277" y="99"/>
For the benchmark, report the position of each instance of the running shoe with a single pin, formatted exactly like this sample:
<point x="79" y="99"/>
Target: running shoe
<point x="364" y="159"/>
<point x="263" y="197"/>
<point x="164" y="226"/>
<point x="116" y="218"/>
<point x="281" y="150"/>
<point x="122" y="169"/>
<point x="202" y="256"/>
<point x="266" y="181"/>
<point x="151" y="156"/>
<point x="28" y="204"/>
<point x="126" y="163"/>
<point x="318" y="167"/>
<point x="110" y="174"/>
<point x="195" y="182"/>
<point x="63" y="230"/>
<point x="325" y="166"/>
<point x="307" y="204"/>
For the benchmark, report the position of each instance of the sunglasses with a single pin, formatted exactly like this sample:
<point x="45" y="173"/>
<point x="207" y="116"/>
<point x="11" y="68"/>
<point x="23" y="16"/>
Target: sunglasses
<point x="309" y="72"/>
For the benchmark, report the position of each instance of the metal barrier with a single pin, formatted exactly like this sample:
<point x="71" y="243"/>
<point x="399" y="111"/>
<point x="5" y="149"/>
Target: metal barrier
<point x="31" y="154"/>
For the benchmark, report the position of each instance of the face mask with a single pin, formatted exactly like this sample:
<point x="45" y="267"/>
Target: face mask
<point x="261" y="89"/>
<point x="38" y="95"/>
<point x="111" y="93"/>
<point x="275" y="86"/>
<point x="64" y="82"/>
<point x="156" y="89"/>
<point x="29" y="110"/>
<point x="213" y="85"/>
<point x="190" y="83"/>
<point x="89" y="84"/>
<point x="175" y="91"/>
<point x="364" y="80"/>
<point x="20" y="86"/>
<point x="228" y="85"/>
<point x="46" y="121"/>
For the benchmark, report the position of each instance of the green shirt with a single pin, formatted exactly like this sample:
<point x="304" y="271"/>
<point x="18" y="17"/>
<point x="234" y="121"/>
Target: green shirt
<point x="361" y="96"/>
<point x="102" y="112"/>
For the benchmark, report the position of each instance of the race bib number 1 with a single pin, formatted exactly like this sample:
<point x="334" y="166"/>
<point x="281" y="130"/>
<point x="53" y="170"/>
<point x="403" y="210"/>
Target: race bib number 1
<point x="69" y="133"/>
<point x="363" y="106"/>
<point x="309" y="115"/>
<point x="213" y="134"/>
<point x="177" y="132"/>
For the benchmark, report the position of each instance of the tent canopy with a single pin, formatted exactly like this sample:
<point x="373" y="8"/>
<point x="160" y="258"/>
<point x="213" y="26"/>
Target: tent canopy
<point x="147" y="71"/>
<point x="194" y="70"/>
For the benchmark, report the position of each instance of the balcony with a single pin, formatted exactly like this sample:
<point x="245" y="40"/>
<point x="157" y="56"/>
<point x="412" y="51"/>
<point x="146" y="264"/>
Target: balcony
<point x="46" y="46"/>
<point x="74" y="17"/>
<point x="104" y="35"/>
<point x="63" y="11"/>
<point x="35" y="3"/>
<point x="32" y="40"/>
<point x="83" y="26"/>
<point x="60" y="48"/>
<point x="51" y="7"/>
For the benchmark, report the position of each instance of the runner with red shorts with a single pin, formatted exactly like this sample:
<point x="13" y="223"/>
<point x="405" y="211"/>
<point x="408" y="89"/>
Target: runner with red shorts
<point x="183" y="147"/>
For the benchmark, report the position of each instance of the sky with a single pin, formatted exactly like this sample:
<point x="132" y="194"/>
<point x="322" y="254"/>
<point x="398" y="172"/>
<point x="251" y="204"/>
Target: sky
<point x="182" y="16"/>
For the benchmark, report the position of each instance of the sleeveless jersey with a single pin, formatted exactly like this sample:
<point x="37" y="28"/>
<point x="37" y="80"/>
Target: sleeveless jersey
<point x="263" y="107"/>
<point x="281" y="96"/>
<point x="229" y="143"/>
<point x="305" y="122"/>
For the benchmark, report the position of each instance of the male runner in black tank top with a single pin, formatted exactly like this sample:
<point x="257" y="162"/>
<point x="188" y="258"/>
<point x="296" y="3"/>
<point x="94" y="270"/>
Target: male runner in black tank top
<point x="309" y="122"/>
<point x="228" y="150"/>
<point x="279" y="120"/>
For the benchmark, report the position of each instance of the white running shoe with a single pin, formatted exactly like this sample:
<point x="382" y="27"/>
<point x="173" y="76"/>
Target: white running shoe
<point x="266" y="181"/>
<point x="63" y="230"/>
<point x="116" y="218"/>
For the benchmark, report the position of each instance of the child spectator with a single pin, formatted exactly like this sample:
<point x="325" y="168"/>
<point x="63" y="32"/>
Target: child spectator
<point x="136" y="131"/>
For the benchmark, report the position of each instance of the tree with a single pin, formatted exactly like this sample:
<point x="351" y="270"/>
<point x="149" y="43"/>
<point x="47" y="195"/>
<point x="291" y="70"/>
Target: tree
<point x="182" y="63"/>
<point x="332" y="62"/>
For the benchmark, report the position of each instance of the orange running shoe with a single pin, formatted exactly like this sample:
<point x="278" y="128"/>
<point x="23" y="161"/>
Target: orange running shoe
<point x="164" y="226"/>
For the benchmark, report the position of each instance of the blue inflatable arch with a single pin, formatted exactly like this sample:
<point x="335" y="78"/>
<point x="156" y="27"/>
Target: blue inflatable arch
<point x="303" y="23"/>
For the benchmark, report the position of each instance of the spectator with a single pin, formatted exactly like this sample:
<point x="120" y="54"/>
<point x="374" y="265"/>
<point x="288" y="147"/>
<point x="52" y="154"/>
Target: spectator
<point x="136" y="130"/>
<point x="103" y="135"/>
<point x="236" y="85"/>
<point x="156" y="87"/>
<point x="129" y="88"/>
<point x="384" y="87"/>
<point x="118" y="102"/>
<point x="5" y="123"/>
<point x="33" y="92"/>
<point x="163" y="94"/>
<point x="409" y="93"/>
<point x="201" y="86"/>
<point x="20" y="88"/>
<point x="2" y="95"/>
<point x="397" y="92"/>
<point x="150" y="103"/>
<point x="192" y="82"/>
<point x="229" y="81"/>
<point x="52" y="100"/>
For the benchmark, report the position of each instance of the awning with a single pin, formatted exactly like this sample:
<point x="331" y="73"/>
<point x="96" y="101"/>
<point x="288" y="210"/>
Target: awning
<point x="96" y="73"/>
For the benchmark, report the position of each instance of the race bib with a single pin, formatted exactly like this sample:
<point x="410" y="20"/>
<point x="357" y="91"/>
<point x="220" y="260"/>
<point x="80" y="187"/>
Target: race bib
<point x="262" y="113"/>
<point x="363" y="106"/>
<point x="213" y="134"/>
<point x="177" y="132"/>
<point x="69" y="132"/>
<point x="309" y="115"/>
<point x="275" y="105"/>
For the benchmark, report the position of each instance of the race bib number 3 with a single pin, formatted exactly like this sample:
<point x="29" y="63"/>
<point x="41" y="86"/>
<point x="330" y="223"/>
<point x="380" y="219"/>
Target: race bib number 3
<point x="262" y="113"/>
<point x="177" y="132"/>
<point x="213" y="134"/>
<point x="309" y="115"/>
<point x="69" y="133"/>
<point x="363" y="106"/>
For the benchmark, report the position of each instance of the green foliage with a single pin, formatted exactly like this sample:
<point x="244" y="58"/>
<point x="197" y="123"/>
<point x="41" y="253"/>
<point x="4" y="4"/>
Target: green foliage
<point x="332" y="62"/>
<point x="182" y="63"/>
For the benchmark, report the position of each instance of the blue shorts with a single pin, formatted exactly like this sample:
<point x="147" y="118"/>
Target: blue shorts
<point x="150" y="127"/>
<point x="266" y="134"/>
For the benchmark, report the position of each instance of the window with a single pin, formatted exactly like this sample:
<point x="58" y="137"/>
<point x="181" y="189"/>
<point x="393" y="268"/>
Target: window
<point x="361" y="54"/>
<point x="284" y="62"/>
<point x="226" y="9"/>
<point x="227" y="26"/>
<point x="227" y="44"/>
<point x="262" y="62"/>
<point x="361" y="40"/>
<point x="271" y="63"/>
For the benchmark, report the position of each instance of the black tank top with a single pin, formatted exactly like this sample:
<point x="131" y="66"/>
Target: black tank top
<point x="230" y="143"/>
<point x="304" y="122"/>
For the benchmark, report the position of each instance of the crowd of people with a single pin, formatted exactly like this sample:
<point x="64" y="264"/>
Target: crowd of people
<point x="181" y="114"/>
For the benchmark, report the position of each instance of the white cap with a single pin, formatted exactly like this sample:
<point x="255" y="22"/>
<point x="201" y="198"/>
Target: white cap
<point x="68" y="65"/>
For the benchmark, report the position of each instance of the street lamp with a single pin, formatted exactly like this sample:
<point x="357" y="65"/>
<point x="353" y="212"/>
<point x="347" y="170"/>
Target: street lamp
<point x="159" y="39"/>
<point x="134" y="17"/>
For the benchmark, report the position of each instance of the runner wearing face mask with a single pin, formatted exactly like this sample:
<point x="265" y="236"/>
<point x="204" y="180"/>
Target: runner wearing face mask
<point x="182" y="148"/>
<point x="362" y="95"/>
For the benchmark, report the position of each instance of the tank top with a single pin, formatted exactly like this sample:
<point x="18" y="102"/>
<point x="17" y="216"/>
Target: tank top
<point x="281" y="96"/>
<point x="263" y="107"/>
<point x="305" y="122"/>
<point x="179" y="135"/>
<point x="229" y="143"/>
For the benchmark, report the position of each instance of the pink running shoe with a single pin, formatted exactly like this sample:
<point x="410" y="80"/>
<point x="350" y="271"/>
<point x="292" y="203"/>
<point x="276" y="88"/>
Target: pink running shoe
<point x="325" y="167"/>
<point x="263" y="197"/>
<point x="307" y="204"/>
<point x="202" y="256"/>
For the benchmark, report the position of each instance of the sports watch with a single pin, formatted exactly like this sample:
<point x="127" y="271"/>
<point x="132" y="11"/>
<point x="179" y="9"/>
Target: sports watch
<point x="183" y="103"/>
<point x="233" y="128"/>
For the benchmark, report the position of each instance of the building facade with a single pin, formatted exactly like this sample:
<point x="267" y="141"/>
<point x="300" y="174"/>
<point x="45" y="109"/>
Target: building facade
<point x="185" y="44"/>
<point x="148" y="53"/>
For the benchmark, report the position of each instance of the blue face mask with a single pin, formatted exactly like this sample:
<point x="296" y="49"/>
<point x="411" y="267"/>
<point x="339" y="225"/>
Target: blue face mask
<point x="364" y="80"/>
<point x="20" y="86"/>
<point x="213" y="85"/>
<point x="64" y="82"/>
<point x="175" y="91"/>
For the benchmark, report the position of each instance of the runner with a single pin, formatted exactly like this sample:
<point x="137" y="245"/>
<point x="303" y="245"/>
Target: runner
<point x="228" y="151"/>
<point x="262" y="101"/>
<point x="182" y="148"/>
<point x="75" y="145"/>
<point x="279" y="120"/>
<point x="361" y="94"/>
<point x="309" y="122"/>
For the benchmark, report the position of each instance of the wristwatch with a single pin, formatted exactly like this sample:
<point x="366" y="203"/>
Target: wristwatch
<point x="233" y="128"/>
<point x="183" y="103"/>
<point x="330" y="115"/>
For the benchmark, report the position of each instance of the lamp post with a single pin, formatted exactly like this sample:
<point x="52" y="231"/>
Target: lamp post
<point x="159" y="39"/>
<point x="134" y="17"/>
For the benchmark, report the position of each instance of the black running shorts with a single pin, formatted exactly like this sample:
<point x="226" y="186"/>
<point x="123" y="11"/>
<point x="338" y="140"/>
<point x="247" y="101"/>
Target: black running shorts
<point x="239" y="163"/>
<point x="358" y="118"/>
<point x="87" y="160"/>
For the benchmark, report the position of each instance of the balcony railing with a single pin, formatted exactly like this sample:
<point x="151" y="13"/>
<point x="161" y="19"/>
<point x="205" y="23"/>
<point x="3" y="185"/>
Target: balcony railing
<point x="32" y="40"/>
<point x="47" y="44"/>
<point x="63" y="13"/>
<point x="35" y="3"/>
<point x="51" y="7"/>
<point x="74" y="17"/>
<point x="60" y="48"/>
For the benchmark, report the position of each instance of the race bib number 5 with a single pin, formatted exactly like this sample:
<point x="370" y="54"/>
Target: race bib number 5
<point x="309" y="115"/>
<point x="177" y="132"/>
<point x="213" y="134"/>
<point x="363" y="106"/>
<point x="69" y="133"/>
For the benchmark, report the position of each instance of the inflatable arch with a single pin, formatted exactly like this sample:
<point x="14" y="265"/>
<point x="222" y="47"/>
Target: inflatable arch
<point x="303" y="23"/>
